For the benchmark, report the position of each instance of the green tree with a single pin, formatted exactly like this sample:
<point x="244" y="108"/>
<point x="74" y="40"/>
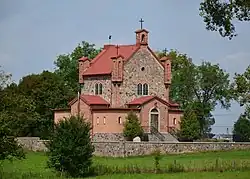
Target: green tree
<point x="70" y="148"/>
<point x="9" y="147"/>
<point x="189" y="127"/>
<point x="4" y="78"/>
<point x="48" y="91"/>
<point x="241" y="87"/>
<point x="242" y="129"/>
<point x="67" y="64"/>
<point x="201" y="87"/>
<point x="219" y="15"/>
<point x="132" y="127"/>
<point x="19" y="113"/>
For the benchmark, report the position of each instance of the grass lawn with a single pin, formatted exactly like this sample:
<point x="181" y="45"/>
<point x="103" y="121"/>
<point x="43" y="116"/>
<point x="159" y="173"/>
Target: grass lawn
<point x="34" y="166"/>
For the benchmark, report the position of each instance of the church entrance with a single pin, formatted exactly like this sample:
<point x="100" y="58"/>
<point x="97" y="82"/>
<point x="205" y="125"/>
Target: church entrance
<point x="154" y="119"/>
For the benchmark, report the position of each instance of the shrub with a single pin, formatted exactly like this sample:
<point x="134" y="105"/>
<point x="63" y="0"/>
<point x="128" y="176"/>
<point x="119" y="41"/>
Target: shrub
<point x="132" y="127"/>
<point x="175" y="167"/>
<point x="9" y="147"/>
<point x="70" y="149"/>
<point x="189" y="127"/>
<point x="157" y="158"/>
<point x="241" y="130"/>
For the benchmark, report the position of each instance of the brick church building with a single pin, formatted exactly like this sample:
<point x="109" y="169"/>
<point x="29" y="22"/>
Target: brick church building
<point x="122" y="78"/>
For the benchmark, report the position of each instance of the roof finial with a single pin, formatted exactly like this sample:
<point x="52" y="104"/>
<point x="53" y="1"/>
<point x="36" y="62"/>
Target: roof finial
<point x="141" y="21"/>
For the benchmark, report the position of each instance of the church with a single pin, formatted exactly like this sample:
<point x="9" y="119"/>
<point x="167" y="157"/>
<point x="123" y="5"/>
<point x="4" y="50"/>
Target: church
<point x="124" y="78"/>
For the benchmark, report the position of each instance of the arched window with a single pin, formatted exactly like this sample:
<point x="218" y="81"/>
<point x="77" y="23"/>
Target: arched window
<point x="145" y="89"/>
<point x="100" y="88"/>
<point x="154" y="110"/>
<point x="142" y="37"/>
<point x="154" y="119"/>
<point x="96" y="88"/>
<point x="139" y="89"/>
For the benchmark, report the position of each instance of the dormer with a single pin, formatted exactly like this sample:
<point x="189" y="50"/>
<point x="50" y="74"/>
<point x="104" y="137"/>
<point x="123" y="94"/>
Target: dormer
<point x="117" y="71"/>
<point x="141" y="37"/>
<point x="83" y="65"/>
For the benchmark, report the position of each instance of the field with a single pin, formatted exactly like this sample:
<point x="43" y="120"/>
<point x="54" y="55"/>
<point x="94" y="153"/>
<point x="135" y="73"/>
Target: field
<point x="34" y="166"/>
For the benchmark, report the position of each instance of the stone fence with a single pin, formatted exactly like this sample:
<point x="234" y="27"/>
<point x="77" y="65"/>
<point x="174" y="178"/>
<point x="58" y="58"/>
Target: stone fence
<point x="123" y="148"/>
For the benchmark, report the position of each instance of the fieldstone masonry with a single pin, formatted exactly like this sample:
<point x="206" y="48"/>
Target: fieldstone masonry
<point x="123" y="149"/>
<point x="133" y="75"/>
<point x="89" y="86"/>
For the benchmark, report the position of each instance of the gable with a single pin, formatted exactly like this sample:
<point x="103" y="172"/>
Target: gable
<point x="143" y="56"/>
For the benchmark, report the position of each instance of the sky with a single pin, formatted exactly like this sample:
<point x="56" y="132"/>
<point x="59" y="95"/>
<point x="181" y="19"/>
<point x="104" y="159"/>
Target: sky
<point x="34" y="32"/>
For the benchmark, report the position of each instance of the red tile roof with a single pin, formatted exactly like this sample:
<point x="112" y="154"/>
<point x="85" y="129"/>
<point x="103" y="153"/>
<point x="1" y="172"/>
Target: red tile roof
<point x="144" y="99"/>
<point x="90" y="100"/>
<point x="102" y="63"/>
<point x="141" y="100"/>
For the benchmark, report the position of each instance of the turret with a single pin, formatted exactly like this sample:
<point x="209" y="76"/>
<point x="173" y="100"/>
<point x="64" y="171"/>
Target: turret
<point x="83" y="64"/>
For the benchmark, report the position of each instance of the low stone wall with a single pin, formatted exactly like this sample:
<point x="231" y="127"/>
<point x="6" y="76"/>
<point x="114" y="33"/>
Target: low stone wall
<point x="107" y="137"/>
<point x="122" y="148"/>
<point x="32" y="143"/>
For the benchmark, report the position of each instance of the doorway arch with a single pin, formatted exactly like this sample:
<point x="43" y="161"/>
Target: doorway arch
<point x="154" y="119"/>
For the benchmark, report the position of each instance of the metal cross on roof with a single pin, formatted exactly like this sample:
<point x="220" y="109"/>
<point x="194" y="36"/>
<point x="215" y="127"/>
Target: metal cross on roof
<point x="141" y="21"/>
<point x="165" y="51"/>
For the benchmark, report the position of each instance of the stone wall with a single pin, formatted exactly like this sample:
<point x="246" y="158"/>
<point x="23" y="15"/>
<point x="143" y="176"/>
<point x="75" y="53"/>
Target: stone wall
<point x="107" y="137"/>
<point x="89" y="86"/>
<point x="121" y="149"/>
<point x="153" y="75"/>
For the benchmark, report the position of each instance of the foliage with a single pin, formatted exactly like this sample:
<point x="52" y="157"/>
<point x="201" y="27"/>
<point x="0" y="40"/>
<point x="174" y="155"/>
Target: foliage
<point x="219" y="15"/>
<point x="201" y="87"/>
<point x="67" y="64"/>
<point x="70" y="148"/>
<point x="29" y="104"/>
<point x="189" y="127"/>
<point x="132" y="127"/>
<point x="9" y="147"/>
<point x="4" y="78"/>
<point x="242" y="129"/>
<point x="157" y="157"/>
<point x="241" y="87"/>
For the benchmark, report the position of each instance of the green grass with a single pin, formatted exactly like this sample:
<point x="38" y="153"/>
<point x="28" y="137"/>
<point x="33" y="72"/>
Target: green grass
<point x="34" y="166"/>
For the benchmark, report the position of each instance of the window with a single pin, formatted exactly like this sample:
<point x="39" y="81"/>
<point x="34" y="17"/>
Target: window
<point x="98" y="88"/>
<point x="142" y="89"/>
<point x="145" y="89"/>
<point x="142" y="37"/>
<point x="139" y="89"/>
<point x="119" y="120"/>
<point x="104" y="120"/>
<point x="97" y="120"/>
<point x="174" y="121"/>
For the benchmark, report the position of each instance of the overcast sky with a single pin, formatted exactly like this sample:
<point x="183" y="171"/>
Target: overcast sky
<point x="34" y="32"/>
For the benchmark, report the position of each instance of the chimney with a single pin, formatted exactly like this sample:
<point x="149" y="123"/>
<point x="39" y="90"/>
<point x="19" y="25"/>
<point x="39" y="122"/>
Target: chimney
<point x="83" y="65"/>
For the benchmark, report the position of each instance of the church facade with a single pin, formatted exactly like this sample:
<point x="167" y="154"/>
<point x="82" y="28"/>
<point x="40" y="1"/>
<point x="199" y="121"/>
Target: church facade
<point x="124" y="78"/>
